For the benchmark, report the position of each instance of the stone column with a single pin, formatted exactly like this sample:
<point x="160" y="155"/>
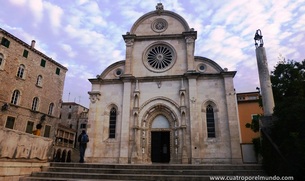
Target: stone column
<point x="129" y="40"/>
<point x="233" y="120"/>
<point x="193" y="124"/>
<point x="265" y="82"/>
<point x="190" y="38"/>
<point x="92" y="128"/>
<point x="125" y="127"/>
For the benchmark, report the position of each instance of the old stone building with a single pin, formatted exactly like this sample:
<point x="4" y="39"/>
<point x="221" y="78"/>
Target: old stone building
<point x="163" y="103"/>
<point x="73" y="119"/>
<point x="30" y="93"/>
<point x="31" y="86"/>
<point x="74" y="116"/>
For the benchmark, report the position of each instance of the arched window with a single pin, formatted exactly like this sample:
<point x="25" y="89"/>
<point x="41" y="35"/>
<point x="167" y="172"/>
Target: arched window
<point x="51" y="106"/>
<point x="39" y="80"/>
<point x="20" y="72"/>
<point x="210" y="122"/>
<point x="112" y="123"/>
<point x="35" y="104"/>
<point x="15" y="97"/>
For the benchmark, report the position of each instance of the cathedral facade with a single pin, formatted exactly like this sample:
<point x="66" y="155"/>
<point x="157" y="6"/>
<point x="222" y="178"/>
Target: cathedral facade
<point x="162" y="103"/>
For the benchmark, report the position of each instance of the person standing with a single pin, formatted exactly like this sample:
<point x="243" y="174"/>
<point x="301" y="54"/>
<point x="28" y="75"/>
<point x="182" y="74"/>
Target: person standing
<point x="83" y="139"/>
<point x="37" y="130"/>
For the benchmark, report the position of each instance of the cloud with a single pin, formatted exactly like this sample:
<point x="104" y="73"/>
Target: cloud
<point x="18" y="2"/>
<point x="36" y="8"/>
<point x="55" y="14"/>
<point x="68" y="50"/>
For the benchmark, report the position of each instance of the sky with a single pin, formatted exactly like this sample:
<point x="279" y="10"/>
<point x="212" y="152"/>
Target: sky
<point x="86" y="35"/>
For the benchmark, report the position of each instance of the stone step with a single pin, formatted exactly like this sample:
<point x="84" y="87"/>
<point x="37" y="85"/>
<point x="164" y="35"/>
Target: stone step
<point x="155" y="171"/>
<point x="126" y="177"/>
<point x="77" y="171"/>
<point x="161" y="166"/>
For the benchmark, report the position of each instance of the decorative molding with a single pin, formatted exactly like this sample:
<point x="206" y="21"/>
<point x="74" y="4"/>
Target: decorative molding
<point x="193" y="100"/>
<point x="159" y="8"/>
<point x="159" y="83"/>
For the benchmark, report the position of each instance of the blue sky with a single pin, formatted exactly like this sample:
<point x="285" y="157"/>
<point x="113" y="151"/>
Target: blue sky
<point x="86" y="35"/>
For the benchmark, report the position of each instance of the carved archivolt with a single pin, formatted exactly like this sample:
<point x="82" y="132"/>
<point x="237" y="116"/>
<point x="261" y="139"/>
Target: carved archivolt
<point x="146" y="129"/>
<point x="160" y="98"/>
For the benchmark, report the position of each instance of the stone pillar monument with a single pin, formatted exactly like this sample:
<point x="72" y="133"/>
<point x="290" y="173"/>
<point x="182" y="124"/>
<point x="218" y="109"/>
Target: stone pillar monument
<point x="264" y="77"/>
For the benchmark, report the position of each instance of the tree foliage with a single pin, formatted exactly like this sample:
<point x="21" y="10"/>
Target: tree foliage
<point x="288" y="131"/>
<point x="288" y="80"/>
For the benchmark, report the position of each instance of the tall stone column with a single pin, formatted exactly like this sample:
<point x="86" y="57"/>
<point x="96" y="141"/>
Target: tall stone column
<point x="92" y="128"/>
<point x="125" y="127"/>
<point x="129" y="40"/>
<point x="193" y="124"/>
<point x="264" y="77"/>
<point x="233" y="121"/>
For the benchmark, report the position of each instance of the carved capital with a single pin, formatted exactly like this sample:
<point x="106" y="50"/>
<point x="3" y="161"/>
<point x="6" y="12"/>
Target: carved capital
<point x="94" y="96"/>
<point x="190" y="39"/>
<point x="129" y="42"/>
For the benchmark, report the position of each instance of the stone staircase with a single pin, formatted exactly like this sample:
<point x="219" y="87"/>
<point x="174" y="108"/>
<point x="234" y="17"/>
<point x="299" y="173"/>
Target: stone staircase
<point x="156" y="172"/>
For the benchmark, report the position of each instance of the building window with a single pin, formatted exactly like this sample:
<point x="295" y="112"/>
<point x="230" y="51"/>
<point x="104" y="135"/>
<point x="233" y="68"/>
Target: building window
<point x="159" y="25"/>
<point x="210" y="122"/>
<point x="10" y="121"/>
<point x="201" y="67"/>
<point x="39" y="81"/>
<point x="69" y="116"/>
<point x="20" y="72"/>
<point x="1" y="61"/>
<point x="15" y="97"/>
<point x="35" y="104"/>
<point x="57" y="71"/>
<point x="83" y="126"/>
<point x="43" y="63"/>
<point x="5" y="42"/>
<point x="25" y="53"/>
<point x="29" y="127"/>
<point x="118" y="72"/>
<point x="47" y="131"/>
<point x="51" y="106"/>
<point x="112" y="123"/>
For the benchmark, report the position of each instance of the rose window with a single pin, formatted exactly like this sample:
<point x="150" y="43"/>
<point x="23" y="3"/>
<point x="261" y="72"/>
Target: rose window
<point x="160" y="57"/>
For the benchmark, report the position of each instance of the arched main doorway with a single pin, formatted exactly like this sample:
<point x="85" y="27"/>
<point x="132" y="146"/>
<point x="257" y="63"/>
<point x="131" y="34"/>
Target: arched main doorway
<point x="160" y="140"/>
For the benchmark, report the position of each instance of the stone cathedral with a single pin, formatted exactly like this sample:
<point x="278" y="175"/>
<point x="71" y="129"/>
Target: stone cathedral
<point x="163" y="104"/>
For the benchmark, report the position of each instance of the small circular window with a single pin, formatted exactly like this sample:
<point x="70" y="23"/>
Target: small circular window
<point x="159" y="25"/>
<point x="201" y="67"/>
<point x="159" y="58"/>
<point x="118" y="72"/>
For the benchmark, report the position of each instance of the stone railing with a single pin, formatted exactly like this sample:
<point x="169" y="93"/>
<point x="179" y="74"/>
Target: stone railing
<point x="22" y="153"/>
